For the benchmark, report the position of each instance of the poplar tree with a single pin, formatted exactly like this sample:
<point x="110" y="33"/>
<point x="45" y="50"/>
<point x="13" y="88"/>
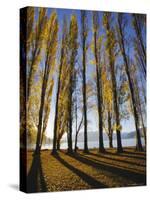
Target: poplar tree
<point x="73" y="47"/>
<point x="50" y="55"/>
<point x="35" y="43"/>
<point x="111" y="48"/>
<point x="107" y="105"/>
<point x="84" y="46"/>
<point x="121" y="35"/>
<point x="97" y="43"/>
<point x="59" y="104"/>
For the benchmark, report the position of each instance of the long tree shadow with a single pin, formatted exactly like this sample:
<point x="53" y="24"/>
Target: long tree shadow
<point x="87" y="178"/>
<point x="112" y="164"/>
<point x="127" y="154"/>
<point x="134" y="176"/>
<point x="35" y="178"/>
<point x="128" y="150"/>
<point x="116" y="159"/>
<point x="135" y="153"/>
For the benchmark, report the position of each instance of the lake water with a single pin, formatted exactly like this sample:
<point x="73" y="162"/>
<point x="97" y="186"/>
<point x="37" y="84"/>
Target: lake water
<point x="94" y="144"/>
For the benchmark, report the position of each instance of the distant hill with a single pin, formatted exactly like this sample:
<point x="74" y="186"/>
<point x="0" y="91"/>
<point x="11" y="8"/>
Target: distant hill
<point x="93" y="136"/>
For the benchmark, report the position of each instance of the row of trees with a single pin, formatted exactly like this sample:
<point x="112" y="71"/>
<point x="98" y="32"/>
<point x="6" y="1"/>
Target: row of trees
<point x="62" y="59"/>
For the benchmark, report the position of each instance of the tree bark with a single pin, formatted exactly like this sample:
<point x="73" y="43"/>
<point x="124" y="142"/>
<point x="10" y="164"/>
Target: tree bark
<point x="110" y="141"/>
<point x="110" y="132"/>
<point x="58" y="145"/>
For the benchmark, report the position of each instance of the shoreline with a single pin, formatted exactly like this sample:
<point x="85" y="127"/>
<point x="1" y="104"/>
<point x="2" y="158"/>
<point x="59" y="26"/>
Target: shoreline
<point x="90" y="149"/>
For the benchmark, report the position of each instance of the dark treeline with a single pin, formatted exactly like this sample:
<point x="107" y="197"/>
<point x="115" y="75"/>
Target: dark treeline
<point x="59" y="55"/>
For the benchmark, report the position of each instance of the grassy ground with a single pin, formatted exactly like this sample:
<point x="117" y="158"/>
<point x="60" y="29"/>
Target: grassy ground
<point x="85" y="171"/>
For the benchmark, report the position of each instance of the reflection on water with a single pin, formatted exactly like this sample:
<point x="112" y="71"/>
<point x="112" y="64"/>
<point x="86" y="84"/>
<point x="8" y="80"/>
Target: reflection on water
<point x="94" y="144"/>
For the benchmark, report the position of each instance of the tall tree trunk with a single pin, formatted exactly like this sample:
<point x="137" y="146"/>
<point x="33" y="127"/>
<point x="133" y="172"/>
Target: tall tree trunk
<point x="77" y="132"/>
<point x="75" y="144"/>
<point x="143" y="90"/>
<point x="84" y="34"/>
<point x="110" y="132"/>
<point x="136" y="117"/>
<point x="84" y="98"/>
<point x="144" y="129"/>
<point x="70" y="118"/>
<point x="38" y="140"/>
<point x="58" y="145"/>
<point x="57" y="103"/>
<point x="76" y="116"/>
<point x="99" y="95"/>
<point x="140" y="110"/>
<point x="42" y="137"/>
<point x="110" y="141"/>
<point x="116" y="108"/>
<point x="70" y="114"/>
